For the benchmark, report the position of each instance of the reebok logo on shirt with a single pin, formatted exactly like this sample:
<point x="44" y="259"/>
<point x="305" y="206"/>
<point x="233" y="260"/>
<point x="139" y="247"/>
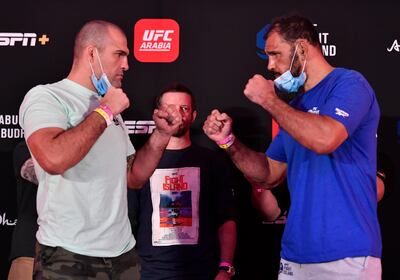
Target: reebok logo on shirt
<point x="341" y="113"/>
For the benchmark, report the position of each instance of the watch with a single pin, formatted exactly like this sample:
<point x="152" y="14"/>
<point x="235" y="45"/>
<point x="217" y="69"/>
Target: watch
<point x="228" y="268"/>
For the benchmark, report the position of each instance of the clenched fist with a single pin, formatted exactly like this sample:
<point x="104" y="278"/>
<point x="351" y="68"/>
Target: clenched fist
<point x="167" y="119"/>
<point x="217" y="126"/>
<point x="259" y="90"/>
<point x="116" y="100"/>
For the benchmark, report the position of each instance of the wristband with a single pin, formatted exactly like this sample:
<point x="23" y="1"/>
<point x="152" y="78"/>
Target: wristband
<point x="107" y="110"/>
<point x="227" y="142"/>
<point x="227" y="267"/>
<point x="225" y="263"/>
<point x="104" y="115"/>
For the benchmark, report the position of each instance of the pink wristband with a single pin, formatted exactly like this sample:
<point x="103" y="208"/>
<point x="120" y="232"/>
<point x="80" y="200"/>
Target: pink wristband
<point x="107" y="110"/>
<point x="225" y="263"/>
<point x="226" y="139"/>
<point x="227" y="142"/>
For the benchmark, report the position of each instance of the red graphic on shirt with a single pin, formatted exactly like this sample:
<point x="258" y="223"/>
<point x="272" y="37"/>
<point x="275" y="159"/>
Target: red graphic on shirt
<point x="174" y="183"/>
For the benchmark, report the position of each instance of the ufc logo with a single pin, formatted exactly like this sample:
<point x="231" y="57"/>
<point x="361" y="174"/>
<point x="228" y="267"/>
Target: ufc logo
<point x="9" y="39"/>
<point x="156" y="40"/>
<point x="155" y="35"/>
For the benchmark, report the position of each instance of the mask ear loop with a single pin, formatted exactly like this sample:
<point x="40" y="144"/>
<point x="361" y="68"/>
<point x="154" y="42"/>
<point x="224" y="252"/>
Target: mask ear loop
<point x="304" y="66"/>
<point x="291" y="63"/>
<point x="91" y="68"/>
<point x="98" y="57"/>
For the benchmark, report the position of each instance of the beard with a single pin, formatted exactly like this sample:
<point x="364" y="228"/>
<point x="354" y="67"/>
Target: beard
<point x="181" y="131"/>
<point x="297" y="67"/>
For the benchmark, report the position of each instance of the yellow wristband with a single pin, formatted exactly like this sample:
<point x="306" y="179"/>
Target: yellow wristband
<point x="229" y="142"/>
<point x="104" y="115"/>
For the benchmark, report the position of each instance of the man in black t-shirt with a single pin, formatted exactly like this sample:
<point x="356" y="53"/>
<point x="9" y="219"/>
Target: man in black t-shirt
<point x="186" y="218"/>
<point x="23" y="238"/>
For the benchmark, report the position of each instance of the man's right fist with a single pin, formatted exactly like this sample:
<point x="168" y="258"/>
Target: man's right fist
<point x="217" y="126"/>
<point x="116" y="100"/>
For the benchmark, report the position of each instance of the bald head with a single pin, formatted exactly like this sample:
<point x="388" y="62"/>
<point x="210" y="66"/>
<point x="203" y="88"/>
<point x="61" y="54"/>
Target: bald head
<point x="95" y="32"/>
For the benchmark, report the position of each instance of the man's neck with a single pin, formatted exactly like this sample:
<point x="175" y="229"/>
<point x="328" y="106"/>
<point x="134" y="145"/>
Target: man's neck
<point x="81" y="77"/>
<point x="317" y="68"/>
<point x="179" y="143"/>
<point x="317" y="75"/>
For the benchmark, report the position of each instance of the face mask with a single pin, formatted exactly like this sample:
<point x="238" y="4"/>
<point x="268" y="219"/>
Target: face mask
<point x="289" y="84"/>
<point x="102" y="84"/>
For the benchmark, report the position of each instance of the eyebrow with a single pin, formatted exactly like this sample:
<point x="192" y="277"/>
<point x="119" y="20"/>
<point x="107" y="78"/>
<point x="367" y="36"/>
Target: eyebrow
<point x="122" y="52"/>
<point x="272" y="52"/>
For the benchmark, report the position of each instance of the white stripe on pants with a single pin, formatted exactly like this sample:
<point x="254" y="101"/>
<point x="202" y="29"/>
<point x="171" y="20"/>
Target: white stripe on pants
<point x="359" y="268"/>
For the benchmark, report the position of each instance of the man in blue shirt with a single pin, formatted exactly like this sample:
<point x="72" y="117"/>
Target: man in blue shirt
<point x="327" y="149"/>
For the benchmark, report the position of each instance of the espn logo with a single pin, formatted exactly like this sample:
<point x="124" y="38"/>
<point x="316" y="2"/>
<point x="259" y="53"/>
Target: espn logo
<point x="156" y="40"/>
<point x="140" y="127"/>
<point x="10" y="39"/>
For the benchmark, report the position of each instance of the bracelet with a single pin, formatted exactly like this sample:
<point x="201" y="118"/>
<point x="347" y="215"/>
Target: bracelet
<point x="104" y="115"/>
<point x="225" y="263"/>
<point x="227" y="267"/>
<point x="227" y="142"/>
<point x="107" y="110"/>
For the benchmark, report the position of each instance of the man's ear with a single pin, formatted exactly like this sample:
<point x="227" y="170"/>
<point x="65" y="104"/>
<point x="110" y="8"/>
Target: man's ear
<point x="302" y="49"/>
<point x="90" y="53"/>
<point x="194" y="115"/>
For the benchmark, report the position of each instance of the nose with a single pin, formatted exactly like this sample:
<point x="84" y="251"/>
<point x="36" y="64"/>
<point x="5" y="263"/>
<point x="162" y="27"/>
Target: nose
<point x="270" y="64"/>
<point x="124" y="64"/>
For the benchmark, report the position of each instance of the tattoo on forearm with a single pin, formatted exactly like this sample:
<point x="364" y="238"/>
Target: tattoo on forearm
<point x="28" y="172"/>
<point x="130" y="160"/>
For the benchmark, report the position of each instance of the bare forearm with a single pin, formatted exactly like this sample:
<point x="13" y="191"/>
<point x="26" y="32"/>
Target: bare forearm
<point x="58" y="152"/>
<point x="28" y="171"/>
<point x="227" y="240"/>
<point x="266" y="203"/>
<point x="252" y="164"/>
<point x="301" y="125"/>
<point x="147" y="159"/>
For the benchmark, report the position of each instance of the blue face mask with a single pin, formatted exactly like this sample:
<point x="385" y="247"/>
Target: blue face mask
<point x="289" y="84"/>
<point x="103" y="84"/>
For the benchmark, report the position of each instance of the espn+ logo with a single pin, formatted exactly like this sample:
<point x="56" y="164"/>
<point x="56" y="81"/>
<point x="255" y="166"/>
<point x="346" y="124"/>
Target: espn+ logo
<point x="11" y="39"/>
<point x="156" y="40"/>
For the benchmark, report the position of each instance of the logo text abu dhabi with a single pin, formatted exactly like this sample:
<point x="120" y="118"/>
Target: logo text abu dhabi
<point x="6" y="222"/>
<point x="11" y="39"/>
<point x="140" y="127"/>
<point x="156" y="40"/>
<point x="9" y="128"/>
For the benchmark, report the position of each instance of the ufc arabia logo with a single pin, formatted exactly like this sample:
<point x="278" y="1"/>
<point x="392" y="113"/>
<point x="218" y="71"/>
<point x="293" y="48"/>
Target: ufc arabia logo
<point x="11" y="39"/>
<point x="157" y="35"/>
<point x="156" y="40"/>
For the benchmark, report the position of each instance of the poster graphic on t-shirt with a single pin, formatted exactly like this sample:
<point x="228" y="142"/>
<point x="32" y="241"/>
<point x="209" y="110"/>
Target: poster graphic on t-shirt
<point x="175" y="198"/>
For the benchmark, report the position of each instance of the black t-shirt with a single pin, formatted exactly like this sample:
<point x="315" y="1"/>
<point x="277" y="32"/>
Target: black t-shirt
<point x="182" y="177"/>
<point x="24" y="234"/>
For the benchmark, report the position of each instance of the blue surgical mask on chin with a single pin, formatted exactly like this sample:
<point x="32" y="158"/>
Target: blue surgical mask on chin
<point x="289" y="84"/>
<point x="103" y="84"/>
